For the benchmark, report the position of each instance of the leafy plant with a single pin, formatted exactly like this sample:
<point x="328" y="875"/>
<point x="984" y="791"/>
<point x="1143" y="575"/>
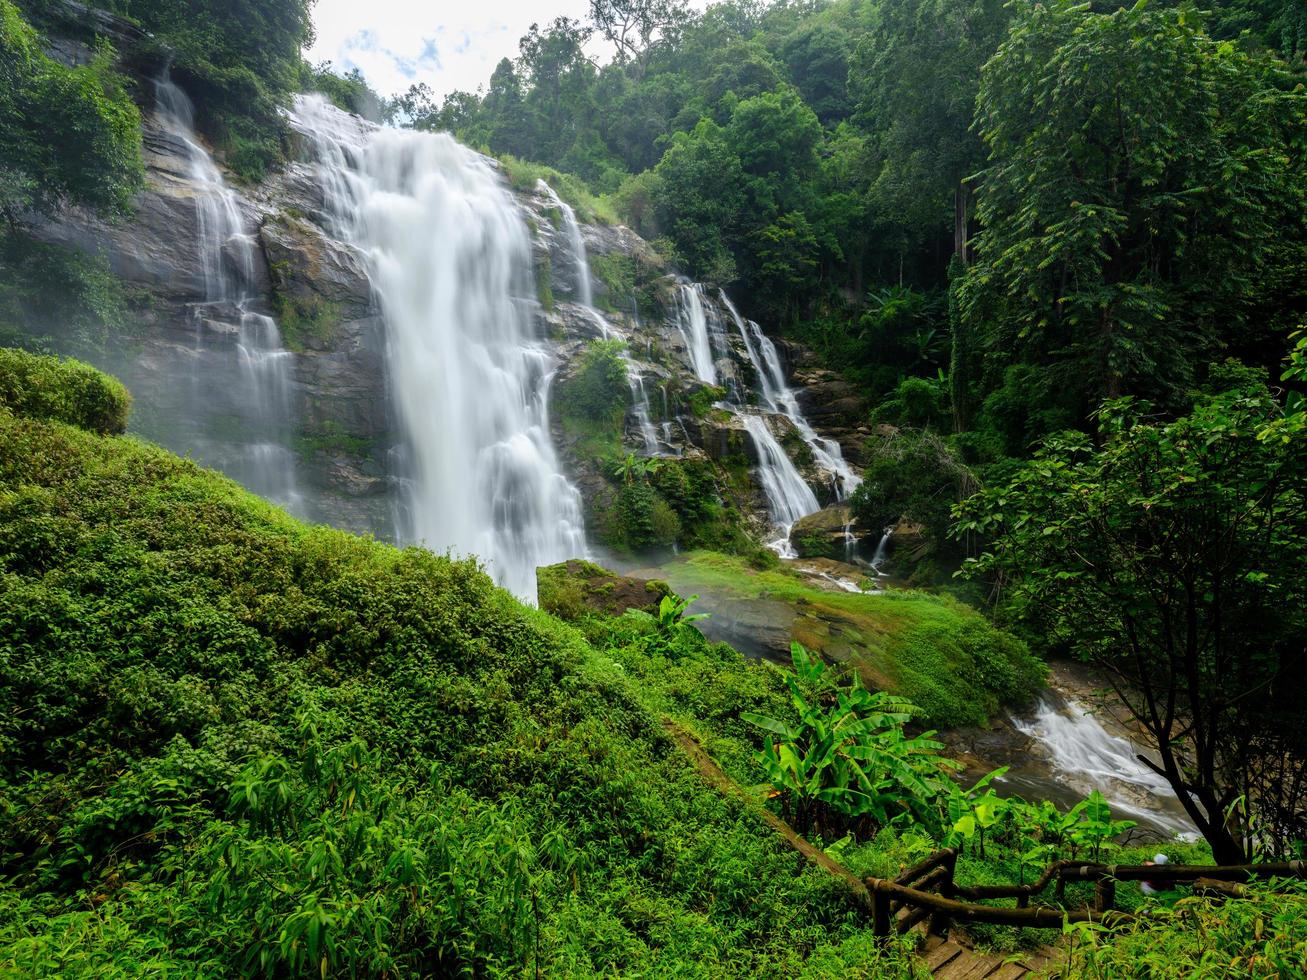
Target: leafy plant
<point x="846" y="764"/>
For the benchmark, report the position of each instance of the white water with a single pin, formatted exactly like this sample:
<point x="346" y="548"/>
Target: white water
<point x="693" y="320"/>
<point x="1086" y="756"/>
<point x="788" y="495"/>
<point x="779" y="397"/>
<point x="449" y="259"/>
<point x="585" y="297"/>
<point x="261" y="459"/>
<point x="882" y="548"/>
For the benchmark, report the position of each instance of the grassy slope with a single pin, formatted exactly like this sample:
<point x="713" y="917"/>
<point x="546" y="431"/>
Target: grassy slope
<point x="230" y="742"/>
<point x="937" y="652"/>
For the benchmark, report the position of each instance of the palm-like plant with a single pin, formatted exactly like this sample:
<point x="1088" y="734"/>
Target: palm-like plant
<point x="846" y="764"/>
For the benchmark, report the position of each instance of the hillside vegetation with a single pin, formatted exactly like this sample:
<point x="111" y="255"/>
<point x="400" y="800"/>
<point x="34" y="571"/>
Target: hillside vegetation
<point x="232" y="743"/>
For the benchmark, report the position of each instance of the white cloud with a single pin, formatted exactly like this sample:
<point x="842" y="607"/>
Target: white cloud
<point x="396" y="43"/>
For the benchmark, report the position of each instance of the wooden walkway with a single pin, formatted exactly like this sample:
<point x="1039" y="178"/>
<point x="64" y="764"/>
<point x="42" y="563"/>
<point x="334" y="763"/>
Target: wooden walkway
<point x="946" y="959"/>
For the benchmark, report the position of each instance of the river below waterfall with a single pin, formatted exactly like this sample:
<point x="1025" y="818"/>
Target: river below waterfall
<point x="1071" y="741"/>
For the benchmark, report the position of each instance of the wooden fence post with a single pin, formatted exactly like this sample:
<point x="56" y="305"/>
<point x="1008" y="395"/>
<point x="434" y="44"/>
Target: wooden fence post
<point x="939" y="921"/>
<point x="880" y="913"/>
<point x="1104" y="894"/>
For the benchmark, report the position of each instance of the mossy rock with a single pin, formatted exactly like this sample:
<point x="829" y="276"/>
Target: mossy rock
<point x="574" y="589"/>
<point x="822" y="534"/>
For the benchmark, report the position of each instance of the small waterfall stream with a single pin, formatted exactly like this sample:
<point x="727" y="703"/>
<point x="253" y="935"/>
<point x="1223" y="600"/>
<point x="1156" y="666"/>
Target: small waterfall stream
<point x="693" y="320"/>
<point x="449" y="259"/>
<point x="1085" y="756"/>
<point x="780" y="398"/>
<point x="788" y="495"/>
<point x="260" y="395"/>
<point x="585" y="297"/>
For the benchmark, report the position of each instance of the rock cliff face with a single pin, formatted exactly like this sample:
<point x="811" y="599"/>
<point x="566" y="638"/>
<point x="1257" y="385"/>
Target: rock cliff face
<point x="183" y="361"/>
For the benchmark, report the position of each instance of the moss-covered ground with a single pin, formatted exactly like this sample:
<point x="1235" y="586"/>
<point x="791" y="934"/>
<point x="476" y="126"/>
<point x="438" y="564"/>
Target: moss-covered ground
<point x="938" y="652"/>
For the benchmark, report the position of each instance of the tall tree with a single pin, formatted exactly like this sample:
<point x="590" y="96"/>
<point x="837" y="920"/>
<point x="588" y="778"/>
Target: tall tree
<point x="1174" y="556"/>
<point x="914" y="78"/>
<point x="1145" y="199"/>
<point x="633" y="26"/>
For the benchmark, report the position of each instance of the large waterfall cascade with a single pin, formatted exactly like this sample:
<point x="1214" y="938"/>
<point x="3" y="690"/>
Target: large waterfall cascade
<point x="257" y="396"/>
<point x="585" y="297"/>
<point x="448" y="255"/>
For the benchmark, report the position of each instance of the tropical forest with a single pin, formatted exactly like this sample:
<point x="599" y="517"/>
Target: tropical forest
<point x="653" y="488"/>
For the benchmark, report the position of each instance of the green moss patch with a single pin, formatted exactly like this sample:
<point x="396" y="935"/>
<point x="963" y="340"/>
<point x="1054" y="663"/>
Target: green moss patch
<point x="939" y="653"/>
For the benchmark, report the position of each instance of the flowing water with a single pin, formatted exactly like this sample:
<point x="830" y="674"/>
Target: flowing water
<point x="1085" y="756"/>
<point x="242" y="409"/>
<point x="585" y="297"/>
<point x="780" y="398"/>
<point x="788" y="495"/>
<point x="449" y="259"/>
<point x="696" y="321"/>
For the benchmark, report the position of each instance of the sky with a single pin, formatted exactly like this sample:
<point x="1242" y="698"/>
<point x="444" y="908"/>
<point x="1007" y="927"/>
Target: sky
<point x="449" y="44"/>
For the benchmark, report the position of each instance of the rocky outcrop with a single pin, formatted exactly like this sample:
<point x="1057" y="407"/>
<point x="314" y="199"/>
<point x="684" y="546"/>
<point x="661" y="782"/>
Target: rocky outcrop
<point x="825" y="534"/>
<point x="574" y="589"/>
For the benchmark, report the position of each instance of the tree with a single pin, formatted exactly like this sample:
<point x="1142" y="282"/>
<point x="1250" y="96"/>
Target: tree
<point x="66" y="134"/>
<point x="914" y="78"/>
<point x="633" y="26"/>
<point x="1143" y="206"/>
<point x="1174" y="556"/>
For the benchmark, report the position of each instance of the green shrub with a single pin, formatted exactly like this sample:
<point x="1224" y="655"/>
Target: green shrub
<point x="57" y="297"/>
<point x="62" y="390"/>
<point x="598" y="392"/>
<point x="66" y="134"/>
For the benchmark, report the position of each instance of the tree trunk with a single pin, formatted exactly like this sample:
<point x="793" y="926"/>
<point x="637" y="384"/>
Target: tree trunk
<point x="960" y="203"/>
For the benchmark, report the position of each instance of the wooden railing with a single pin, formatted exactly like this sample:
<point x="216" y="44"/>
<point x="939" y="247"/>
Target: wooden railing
<point x="927" y="890"/>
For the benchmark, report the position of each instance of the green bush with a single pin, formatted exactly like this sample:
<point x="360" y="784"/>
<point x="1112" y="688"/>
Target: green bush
<point x="57" y="297"/>
<point x="598" y="392"/>
<point x="62" y="390"/>
<point x="66" y="134"/>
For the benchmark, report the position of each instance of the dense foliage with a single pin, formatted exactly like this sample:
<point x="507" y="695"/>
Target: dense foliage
<point x="1133" y="208"/>
<point x="66" y="134"/>
<point x="235" y="744"/>
<point x="67" y="391"/>
<point x="1174" y="555"/>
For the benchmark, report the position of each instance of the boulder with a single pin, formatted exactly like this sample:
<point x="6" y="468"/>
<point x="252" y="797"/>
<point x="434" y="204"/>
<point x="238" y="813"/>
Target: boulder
<point x="574" y="589"/>
<point x="824" y="534"/>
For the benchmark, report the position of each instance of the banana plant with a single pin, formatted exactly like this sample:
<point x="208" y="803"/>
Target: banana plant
<point x="972" y="812"/>
<point x="846" y="762"/>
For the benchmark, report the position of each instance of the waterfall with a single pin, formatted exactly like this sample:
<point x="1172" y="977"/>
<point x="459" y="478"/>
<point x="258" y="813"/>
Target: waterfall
<point x="258" y="397"/>
<point x="450" y="262"/>
<point x="585" y="297"/>
<point x="882" y="549"/>
<point x="780" y="398"/>
<point x="575" y="244"/>
<point x="1089" y="757"/>
<point x="788" y="495"/>
<point x="693" y="322"/>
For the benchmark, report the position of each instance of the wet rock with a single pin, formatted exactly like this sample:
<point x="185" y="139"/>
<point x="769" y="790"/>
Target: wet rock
<point x="573" y="589"/>
<point x="824" y="534"/>
<point x="312" y="272"/>
<point x="722" y="436"/>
